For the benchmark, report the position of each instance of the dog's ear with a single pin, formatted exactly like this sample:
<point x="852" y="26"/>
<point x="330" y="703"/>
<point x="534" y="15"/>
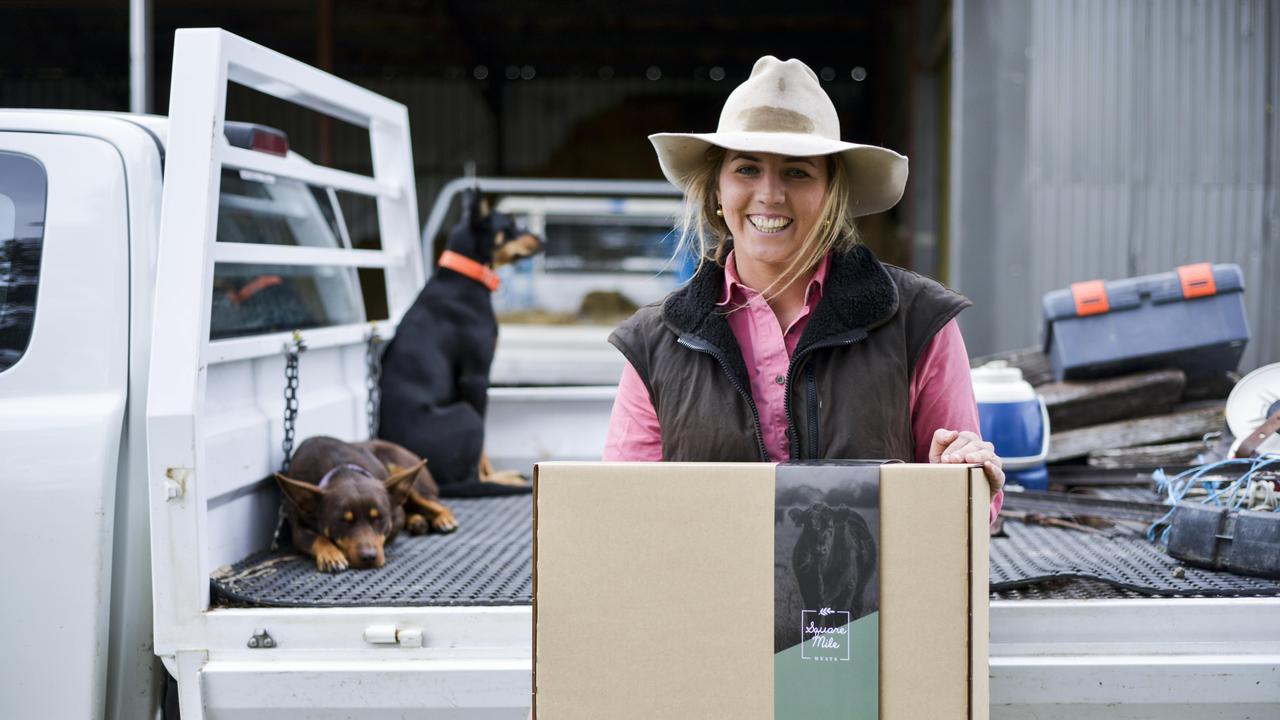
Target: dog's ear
<point x="304" y="496"/>
<point x="401" y="482"/>
<point x="798" y="516"/>
<point x="477" y="210"/>
<point x="470" y="205"/>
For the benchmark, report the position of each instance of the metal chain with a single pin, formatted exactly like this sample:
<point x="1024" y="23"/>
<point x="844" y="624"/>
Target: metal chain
<point x="373" y="378"/>
<point x="292" y="351"/>
<point x="290" y="397"/>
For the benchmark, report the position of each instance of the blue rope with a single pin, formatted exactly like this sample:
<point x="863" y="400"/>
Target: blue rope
<point x="1176" y="488"/>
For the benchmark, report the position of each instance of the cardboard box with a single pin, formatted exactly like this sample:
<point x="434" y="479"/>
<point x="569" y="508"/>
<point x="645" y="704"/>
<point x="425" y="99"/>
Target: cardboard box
<point x="683" y="591"/>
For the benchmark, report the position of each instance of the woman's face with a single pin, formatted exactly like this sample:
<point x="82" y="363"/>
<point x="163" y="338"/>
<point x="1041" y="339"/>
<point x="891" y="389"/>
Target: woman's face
<point x="770" y="203"/>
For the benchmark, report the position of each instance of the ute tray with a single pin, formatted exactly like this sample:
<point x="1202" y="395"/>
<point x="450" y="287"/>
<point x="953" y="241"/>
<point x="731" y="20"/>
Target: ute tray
<point x="1039" y="562"/>
<point x="489" y="560"/>
<point x="486" y="562"/>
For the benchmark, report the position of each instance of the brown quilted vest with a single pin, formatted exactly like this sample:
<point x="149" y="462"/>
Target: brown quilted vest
<point x="848" y="385"/>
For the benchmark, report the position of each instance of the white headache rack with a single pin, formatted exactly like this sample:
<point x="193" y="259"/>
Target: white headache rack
<point x="214" y="428"/>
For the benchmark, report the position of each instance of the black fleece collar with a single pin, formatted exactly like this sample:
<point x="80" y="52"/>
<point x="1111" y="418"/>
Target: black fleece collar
<point x="858" y="295"/>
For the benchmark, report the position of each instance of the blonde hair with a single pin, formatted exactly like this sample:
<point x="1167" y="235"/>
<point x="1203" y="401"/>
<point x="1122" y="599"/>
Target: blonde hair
<point x="705" y="235"/>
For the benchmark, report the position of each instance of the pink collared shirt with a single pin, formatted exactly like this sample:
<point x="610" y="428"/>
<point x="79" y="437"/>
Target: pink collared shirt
<point x="941" y="394"/>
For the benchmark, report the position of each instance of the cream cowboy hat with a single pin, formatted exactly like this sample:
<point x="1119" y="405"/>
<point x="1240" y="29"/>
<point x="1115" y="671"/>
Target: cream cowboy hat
<point x="782" y="109"/>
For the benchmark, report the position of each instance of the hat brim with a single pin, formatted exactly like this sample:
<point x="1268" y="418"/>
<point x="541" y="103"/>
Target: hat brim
<point x="877" y="176"/>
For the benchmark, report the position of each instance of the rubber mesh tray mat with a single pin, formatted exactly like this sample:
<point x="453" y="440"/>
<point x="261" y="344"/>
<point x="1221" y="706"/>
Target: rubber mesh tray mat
<point x="1035" y="554"/>
<point x="487" y="561"/>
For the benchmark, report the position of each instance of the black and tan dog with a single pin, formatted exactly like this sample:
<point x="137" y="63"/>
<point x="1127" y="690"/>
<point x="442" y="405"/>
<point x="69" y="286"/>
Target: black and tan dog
<point x="345" y="501"/>
<point x="435" y="372"/>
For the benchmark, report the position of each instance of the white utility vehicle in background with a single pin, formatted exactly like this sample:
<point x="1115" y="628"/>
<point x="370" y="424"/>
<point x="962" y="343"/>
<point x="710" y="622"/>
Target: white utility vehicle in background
<point x="151" y="273"/>
<point x="602" y="236"/>
<point x="622" y="246"/>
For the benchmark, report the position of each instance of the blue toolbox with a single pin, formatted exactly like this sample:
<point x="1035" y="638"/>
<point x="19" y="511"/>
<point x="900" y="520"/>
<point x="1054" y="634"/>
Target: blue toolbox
<point x="1192" y="319"/>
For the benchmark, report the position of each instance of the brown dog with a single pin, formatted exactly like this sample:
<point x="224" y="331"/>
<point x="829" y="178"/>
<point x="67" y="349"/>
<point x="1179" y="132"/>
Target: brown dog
<point x="345" y="501"/>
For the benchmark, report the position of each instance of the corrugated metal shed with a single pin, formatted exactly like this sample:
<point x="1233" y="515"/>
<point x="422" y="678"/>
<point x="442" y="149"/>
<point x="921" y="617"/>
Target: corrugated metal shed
<point x="1109" y="139"/>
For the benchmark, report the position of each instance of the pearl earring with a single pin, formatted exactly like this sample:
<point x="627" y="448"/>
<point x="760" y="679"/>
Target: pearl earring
<point x="719" y="212"/>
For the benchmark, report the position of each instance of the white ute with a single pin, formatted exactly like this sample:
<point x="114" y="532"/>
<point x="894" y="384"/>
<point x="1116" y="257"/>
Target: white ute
<point x="136" y="451"/>
<point x="120" y="413"/>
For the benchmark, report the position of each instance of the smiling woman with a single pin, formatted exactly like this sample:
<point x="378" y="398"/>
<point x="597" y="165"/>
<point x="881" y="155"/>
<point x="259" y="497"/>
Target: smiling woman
<point x="792" y="341"/>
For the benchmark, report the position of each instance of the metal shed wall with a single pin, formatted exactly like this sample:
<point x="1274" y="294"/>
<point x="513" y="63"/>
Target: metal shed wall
<point x="1108" y="139"/>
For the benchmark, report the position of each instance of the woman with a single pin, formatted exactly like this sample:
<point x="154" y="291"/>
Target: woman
<point x="792" y="341"/>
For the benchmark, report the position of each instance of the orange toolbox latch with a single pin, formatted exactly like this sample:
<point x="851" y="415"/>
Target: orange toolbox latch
<point x="1197" y="280"/>
<point x="1090" y="297"/>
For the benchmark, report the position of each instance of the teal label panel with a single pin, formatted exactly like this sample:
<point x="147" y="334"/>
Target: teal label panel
<point x="826" y="592"/>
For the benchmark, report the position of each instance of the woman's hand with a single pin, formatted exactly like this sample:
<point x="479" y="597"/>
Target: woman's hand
<point x="963" y="446"/>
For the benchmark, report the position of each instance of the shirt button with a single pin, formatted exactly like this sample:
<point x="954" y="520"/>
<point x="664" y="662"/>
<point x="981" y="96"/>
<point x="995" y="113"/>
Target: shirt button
<point x="780" y="380"/>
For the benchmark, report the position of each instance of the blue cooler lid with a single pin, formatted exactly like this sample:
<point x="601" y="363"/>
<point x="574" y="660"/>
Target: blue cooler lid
<point x="1019" y="430"/>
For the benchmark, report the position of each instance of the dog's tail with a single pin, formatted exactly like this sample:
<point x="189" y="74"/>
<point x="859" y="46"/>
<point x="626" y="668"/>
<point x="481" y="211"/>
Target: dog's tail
<point x="479" y="489"/>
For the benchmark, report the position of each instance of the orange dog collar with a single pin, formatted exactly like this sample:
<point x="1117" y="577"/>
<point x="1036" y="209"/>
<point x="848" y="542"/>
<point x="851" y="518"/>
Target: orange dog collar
<point x="466" y="266"/>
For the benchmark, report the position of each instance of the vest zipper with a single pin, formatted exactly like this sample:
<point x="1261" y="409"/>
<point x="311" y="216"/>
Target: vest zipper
<point x="812" y="387"/>
<point x="849" y="338"/>
<point x="697" y="344"/>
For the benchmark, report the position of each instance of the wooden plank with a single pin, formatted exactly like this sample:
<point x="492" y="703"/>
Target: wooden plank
<point x="1081" y="403"/>
<point x="1033" y="363"/>
<point x="1216" y="386"/>
<point x="1182" y="425"/>
<point x="1083" y="476"/>
<point x="1148" y="456"/>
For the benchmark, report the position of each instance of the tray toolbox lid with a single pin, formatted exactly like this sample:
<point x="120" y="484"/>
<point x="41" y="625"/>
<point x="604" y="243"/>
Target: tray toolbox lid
<point x="1099" y="297"/>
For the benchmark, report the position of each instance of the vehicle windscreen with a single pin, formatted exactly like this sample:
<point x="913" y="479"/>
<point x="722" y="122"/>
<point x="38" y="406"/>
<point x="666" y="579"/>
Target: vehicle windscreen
<point x="254" y="208"/>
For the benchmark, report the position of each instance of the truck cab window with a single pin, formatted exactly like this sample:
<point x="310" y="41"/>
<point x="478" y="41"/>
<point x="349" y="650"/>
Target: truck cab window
<point x="251" y="299"/>
<point x="608" y="244"/>
<point x="23" y="191"/>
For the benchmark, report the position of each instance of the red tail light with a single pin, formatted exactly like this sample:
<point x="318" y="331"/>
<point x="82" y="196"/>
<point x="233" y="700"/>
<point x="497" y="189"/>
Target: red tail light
<point x="257" y="137"/>
<point x="274" y="142"/>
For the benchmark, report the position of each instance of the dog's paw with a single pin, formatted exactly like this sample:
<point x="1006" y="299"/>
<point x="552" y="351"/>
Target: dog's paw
<point x="510" y="478"/>
<point x="445" y="522"/>
<point x="330" y="559"/>
<point x="416" y="524"/>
